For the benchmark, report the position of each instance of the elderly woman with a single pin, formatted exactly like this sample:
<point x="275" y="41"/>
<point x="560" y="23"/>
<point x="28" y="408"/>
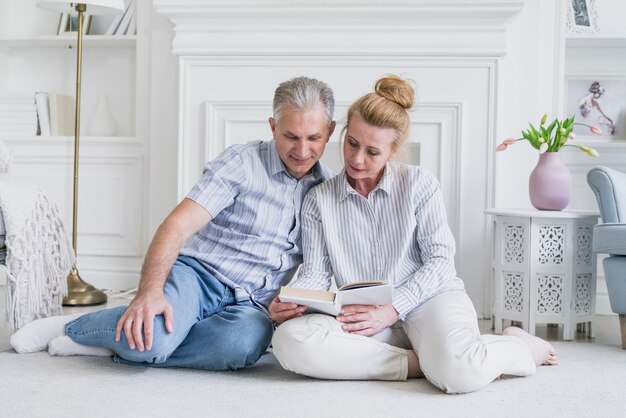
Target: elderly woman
<point x="380" y="220"/>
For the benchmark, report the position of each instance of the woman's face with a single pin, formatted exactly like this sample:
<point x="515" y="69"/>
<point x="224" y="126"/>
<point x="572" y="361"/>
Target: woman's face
<point x="366" y="148"/>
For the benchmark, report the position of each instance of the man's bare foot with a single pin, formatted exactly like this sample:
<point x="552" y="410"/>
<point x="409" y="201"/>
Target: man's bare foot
<point x="414" y="365"/>
<point x="542" y="351"/>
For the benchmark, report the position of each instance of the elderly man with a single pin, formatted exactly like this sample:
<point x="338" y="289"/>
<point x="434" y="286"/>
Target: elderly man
<point x="219" y="258"/>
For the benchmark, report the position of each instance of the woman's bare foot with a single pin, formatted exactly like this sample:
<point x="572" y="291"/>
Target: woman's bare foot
<point x="414" y="365"/>
<point x="542" y="351"/>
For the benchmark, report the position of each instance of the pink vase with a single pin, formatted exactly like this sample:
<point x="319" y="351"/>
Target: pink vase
<point x="550" y="183"/>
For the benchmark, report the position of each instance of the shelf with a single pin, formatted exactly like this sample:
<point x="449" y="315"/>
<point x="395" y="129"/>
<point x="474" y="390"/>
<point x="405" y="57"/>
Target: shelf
<point x="84" y="139"/>
<point x="64" y="41"/>
<point x="595" y="41"/>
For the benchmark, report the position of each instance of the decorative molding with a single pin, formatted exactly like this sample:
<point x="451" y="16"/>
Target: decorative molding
<point x="284" y="27"/>
<point x="118" y="242"/>
<point x="188" y="64"/>
<point x="221" y="115"/>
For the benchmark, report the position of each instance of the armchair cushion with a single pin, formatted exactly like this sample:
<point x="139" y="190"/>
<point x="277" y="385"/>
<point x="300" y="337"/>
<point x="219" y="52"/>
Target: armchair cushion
<point x="610" y="239"/>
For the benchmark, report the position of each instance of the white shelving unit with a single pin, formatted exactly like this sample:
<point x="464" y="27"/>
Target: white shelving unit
<point x="595" y="41"/>
<point x="47" y="63"/>
<point x="64" y="41"/>
<point x="600" y="56"/>
<point x="112" y="180"/>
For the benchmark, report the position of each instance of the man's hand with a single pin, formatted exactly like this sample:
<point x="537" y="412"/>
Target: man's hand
<point x="281" y="312"/>
<point x="367" y="320"/>
<point x="140" y="315"/>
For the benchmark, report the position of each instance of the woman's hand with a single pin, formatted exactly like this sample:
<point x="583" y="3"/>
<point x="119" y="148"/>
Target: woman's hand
<point x="367" y="320"/>
<point x="283" y="311"/>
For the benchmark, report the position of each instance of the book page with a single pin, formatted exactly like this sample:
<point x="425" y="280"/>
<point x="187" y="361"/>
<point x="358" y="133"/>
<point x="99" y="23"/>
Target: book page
<point x="379" y="294"/>
<point x="315" y="300"/>
<point x="357" y="285"/>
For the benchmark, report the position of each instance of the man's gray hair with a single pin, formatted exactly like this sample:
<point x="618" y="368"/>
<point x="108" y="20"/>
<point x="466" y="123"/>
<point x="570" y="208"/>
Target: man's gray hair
<point x="304" y="93"/>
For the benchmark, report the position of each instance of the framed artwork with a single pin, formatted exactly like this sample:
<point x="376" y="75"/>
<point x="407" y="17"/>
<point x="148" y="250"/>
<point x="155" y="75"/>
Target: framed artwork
<point x="598" y="101"/>
<point x="582" y="16"/>
<point x="69" y="24"/>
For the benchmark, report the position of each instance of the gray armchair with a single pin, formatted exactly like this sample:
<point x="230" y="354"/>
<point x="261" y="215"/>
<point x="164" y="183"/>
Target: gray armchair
<point x="609" y="237"/>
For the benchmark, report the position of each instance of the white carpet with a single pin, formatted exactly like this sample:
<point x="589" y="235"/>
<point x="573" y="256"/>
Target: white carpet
<point x="589" y="382"/>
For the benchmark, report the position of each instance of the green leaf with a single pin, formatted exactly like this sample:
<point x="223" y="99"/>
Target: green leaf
<point x="552" y="125"/>
<point x="533" y="137"/>
<point x="568" y="122"/>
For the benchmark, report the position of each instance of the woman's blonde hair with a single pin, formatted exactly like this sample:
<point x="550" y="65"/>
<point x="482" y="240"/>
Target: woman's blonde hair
<point x="387" y="107"/>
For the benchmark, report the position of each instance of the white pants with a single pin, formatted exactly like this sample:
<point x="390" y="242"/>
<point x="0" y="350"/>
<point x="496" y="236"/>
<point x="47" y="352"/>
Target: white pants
<point x="443" y="332"/>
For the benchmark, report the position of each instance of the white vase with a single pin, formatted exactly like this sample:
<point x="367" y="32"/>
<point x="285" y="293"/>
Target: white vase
<point x="102" y="122"/>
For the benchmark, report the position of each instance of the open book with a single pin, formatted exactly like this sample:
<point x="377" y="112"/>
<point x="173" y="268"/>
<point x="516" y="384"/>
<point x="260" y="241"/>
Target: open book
<point x="360" y="293"/>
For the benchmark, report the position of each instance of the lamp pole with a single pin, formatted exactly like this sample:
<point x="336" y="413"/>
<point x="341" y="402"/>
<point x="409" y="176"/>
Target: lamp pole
<point x="79" y="293"/>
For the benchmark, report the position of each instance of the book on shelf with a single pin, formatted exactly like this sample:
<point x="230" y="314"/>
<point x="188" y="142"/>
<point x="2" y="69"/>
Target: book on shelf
<point x="62" y="113"/>
<point x="13" y="97"/>
<point x="18" y="113"/>
<point x="122" y="29"/>
<point x="114" y="27"/>
<point x="114" y="24"/>
<point x="55" y="113"/>
<point x="132" y="26"/>
<point x="43" y="113"/>
<point x="358" y="293"/>
<point x="17" y="108"/>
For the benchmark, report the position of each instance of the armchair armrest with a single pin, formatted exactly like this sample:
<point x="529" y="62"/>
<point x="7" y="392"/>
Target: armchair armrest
<point x="610" y="239"/>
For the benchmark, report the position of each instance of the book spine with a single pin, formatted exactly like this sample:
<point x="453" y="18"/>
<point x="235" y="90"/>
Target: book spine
<point x="123" y="27"/>
<point x="43" y="113"/>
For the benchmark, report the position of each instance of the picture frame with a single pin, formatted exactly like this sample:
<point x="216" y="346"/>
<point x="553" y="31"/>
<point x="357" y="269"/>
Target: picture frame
<point x="582" y="16"/>
<point x="598" y="101"/>
<point x="68" y="24"/>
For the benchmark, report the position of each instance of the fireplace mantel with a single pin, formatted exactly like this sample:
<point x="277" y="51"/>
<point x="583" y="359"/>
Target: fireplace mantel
<point x="331" y="28"/>
<point x="233" y="53"/>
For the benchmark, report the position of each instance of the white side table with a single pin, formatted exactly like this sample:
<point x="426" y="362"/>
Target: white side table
<point x="544" y="271"/>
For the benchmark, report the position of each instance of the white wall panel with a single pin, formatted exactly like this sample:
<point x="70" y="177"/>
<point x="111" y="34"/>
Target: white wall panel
<point x="455" y="102"/>
<point x="109" y="200"/>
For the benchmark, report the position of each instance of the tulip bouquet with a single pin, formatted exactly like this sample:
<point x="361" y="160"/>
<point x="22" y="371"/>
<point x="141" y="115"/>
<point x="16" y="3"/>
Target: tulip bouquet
<point x="552" y="138"/>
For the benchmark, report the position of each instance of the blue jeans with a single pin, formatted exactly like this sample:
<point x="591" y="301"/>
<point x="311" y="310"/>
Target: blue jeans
<point x="212" y="331"/>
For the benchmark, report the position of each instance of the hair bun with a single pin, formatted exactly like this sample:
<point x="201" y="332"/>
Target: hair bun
<point x="397" y="90"/>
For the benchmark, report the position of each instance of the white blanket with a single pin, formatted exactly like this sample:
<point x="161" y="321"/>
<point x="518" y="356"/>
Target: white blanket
<point x="39" y="256"/>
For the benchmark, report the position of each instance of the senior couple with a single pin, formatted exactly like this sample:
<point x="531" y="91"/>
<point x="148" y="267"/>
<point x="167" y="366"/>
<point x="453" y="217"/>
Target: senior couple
<point x="207" y="298"/>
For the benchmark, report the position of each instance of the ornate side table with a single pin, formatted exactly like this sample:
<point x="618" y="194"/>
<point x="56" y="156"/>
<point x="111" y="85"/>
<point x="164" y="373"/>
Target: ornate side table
<point x="544" y="271"/>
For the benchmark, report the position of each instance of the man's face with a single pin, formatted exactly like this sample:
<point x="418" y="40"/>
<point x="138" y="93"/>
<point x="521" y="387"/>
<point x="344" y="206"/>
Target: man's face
<point x="301" y="136"/>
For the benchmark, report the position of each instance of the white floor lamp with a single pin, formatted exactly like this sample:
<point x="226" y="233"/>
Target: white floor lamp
<point x="81" y="293"/>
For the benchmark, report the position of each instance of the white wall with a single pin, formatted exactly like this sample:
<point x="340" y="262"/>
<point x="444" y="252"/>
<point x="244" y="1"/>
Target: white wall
<point x="163" y="144"/>
<point x="526" y="93"/>
<point x="611" y="14"/>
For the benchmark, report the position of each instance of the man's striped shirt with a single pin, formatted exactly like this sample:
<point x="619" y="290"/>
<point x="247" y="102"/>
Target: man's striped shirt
<point x="253" y="241"/>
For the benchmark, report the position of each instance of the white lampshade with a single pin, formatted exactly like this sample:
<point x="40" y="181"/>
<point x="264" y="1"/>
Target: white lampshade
<point x="94" y="7"/>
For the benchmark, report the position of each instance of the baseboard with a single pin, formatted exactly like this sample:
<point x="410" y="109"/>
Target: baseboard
<point x="128" y="279"/>
<point x="116" y="280"/>
<point x="111" y="280"/>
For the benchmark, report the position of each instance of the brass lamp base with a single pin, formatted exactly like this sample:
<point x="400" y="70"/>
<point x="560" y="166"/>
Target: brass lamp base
<point x="80" y="293"/>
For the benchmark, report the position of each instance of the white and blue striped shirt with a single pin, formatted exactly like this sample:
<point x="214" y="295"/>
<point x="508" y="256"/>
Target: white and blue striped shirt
<point x="398" y="234"/>
<point x="253" y="241"/>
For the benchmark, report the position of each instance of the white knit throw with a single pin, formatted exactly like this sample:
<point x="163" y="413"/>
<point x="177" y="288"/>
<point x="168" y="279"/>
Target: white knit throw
<point x="39" y="255"/>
